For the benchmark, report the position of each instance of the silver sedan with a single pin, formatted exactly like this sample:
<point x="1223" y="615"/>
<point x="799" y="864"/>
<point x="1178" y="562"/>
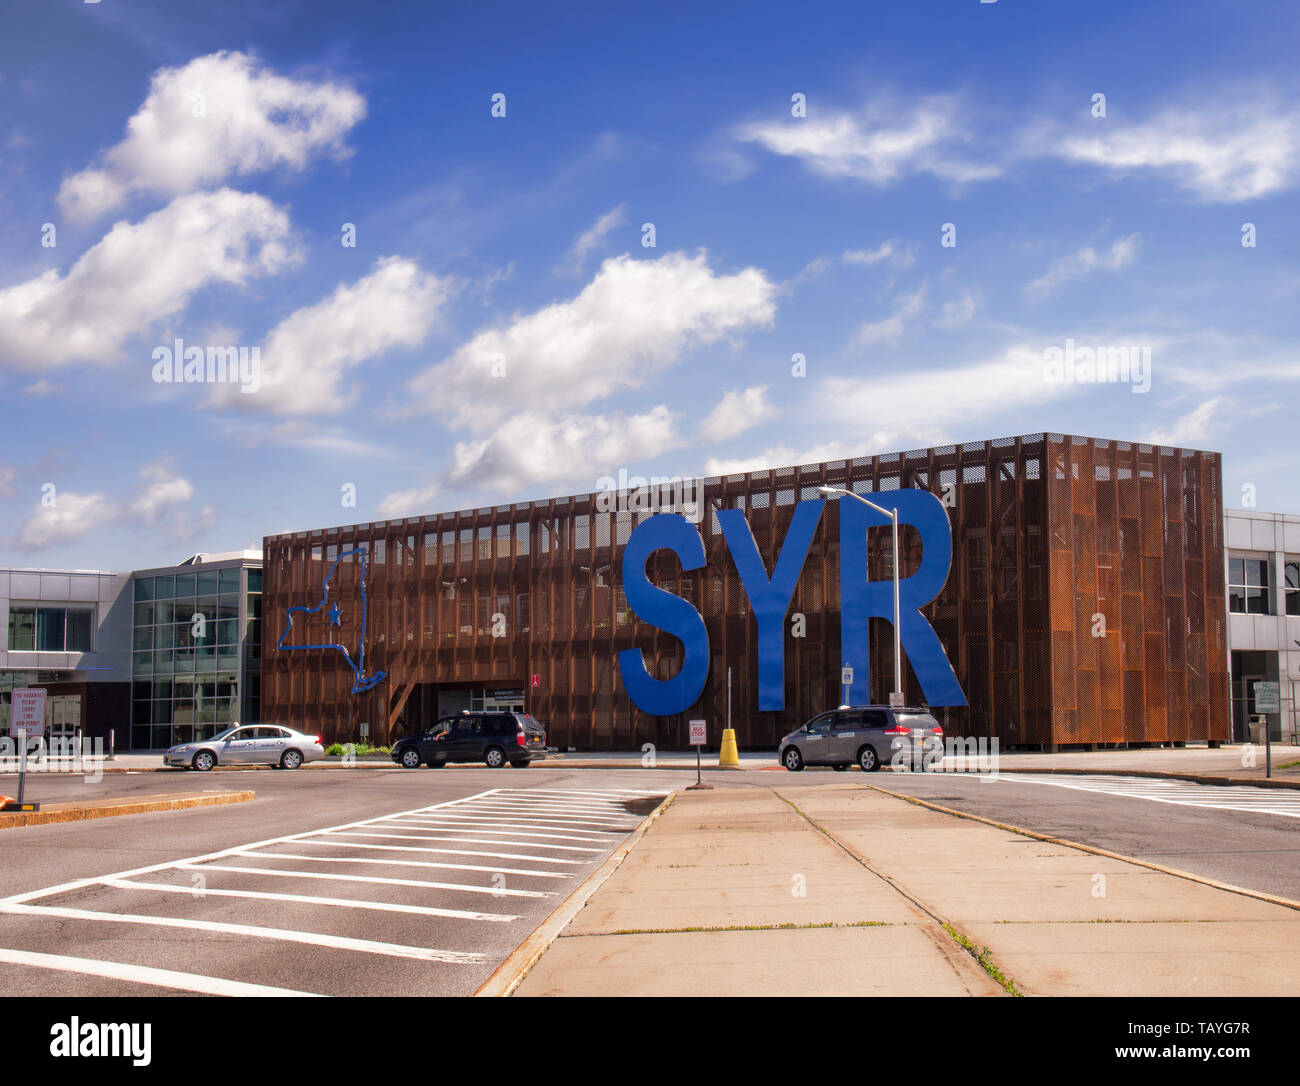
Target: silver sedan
<point x="251" y="744"/>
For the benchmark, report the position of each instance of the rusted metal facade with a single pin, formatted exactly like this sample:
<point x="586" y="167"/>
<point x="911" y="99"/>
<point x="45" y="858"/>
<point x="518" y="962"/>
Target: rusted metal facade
<point x="1085" y="603"/>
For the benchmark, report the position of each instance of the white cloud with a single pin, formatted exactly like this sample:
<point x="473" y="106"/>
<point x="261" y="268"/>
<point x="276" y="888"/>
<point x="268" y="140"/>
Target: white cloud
<point x="251" y="120"/>
<point x="924" y="405"/>
<point x="71" y="517"/>
<point x="906" y="306"/>
<point x="634" y="319"/>
<point x="140" y="273"/>
<point x="1220" y="153"/>
<point x="530" y="449"/>
<point x="737" y="412"/>
<point x="308" y="354"/>
<point x="41" y="388"/>
<point x="892" y="250"/>
<point x="591" y="239"/>
<point x="408" y="503"/>
<point x="74" y="516"/>
<point x="780" y="456"/>
<point x="7" y="476"/>
<point x="1189" y="430"/>
<point x="164" y="490"/>
<point x="959" y="311"/>
<point x="880" y="145"/>
<point x="1121" y="254"/>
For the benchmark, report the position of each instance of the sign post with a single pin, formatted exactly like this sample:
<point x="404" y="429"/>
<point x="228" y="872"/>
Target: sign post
<point x="699" y="736"/>
<point x="1268" y="700"/>
<point x="846" y="680"/>
<point x="27" y="718"/>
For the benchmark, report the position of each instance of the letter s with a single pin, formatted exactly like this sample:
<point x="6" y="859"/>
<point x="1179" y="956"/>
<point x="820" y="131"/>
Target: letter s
<point x="672" y="614"/>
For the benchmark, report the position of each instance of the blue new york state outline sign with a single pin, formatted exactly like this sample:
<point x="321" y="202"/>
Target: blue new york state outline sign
<point x="361" y="682"/>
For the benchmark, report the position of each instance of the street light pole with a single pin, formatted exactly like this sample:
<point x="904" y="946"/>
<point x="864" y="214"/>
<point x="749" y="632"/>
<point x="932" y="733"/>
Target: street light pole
<point x="892" y="514"/>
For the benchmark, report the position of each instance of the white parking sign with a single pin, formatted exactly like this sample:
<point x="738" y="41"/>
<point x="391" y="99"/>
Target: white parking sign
<point x="28" y="715"/>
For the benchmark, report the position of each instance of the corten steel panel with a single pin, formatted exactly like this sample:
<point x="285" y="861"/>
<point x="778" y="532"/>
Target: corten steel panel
<point x="1146" y="555"/>
<point x="1047" y="531"/>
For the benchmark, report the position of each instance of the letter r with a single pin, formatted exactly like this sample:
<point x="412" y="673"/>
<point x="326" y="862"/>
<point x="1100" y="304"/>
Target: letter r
<point x="861" y="599"/>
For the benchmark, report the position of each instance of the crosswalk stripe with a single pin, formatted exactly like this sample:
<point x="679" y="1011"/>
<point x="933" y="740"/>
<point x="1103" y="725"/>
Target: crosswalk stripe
<point x="143" y="974"/>
<point x="304" y="899"/>
<point x="312" y="938"/>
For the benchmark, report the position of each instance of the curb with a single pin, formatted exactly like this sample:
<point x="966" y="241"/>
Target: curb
<point x="511" y="972"/>
<point x="140" y="806"/>
<point x="1215" y="884"/>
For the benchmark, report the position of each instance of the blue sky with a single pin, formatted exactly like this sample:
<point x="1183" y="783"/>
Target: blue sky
<point x="499" y="331"/>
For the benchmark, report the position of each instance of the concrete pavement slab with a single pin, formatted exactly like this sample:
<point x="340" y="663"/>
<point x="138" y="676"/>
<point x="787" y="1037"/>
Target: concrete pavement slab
<point x="896" y="960"/>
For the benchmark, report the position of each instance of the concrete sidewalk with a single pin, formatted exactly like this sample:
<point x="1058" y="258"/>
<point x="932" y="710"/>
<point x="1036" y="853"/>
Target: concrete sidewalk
<point x="844" y="890"/>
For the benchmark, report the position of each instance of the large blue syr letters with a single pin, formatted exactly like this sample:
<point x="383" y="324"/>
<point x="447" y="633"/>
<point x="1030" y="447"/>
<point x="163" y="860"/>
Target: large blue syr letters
<point x="770" y="597"/>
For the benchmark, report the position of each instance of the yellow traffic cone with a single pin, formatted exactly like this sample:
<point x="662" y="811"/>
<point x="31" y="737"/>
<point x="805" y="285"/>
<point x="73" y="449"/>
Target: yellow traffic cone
<point x="728" y="756"/>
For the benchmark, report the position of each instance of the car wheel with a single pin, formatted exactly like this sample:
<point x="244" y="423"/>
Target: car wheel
<point x="204" y="761"/>
<point x="840" y="767"/>
<point x="792" y="759"/>
<point x="868" y="760"/>
<point x="410" y="758"/>
<point x="290" y="759"/>
<point x="523" y="763"/>
<point x="495" y="757"/>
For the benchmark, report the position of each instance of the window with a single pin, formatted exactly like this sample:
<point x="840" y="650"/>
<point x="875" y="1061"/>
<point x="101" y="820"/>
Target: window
<point x="50" y="629"/>
<point x="1248" y="586"/>
<point x="1293" y="588"/>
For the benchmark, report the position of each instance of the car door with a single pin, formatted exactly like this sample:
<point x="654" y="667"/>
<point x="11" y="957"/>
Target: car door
<point x="239" y="748"/>
<point x="435" y="744"/>
<point x="466" y="740"/>
<point x="846" y="738"/>
<point x="815" y="744"/>
<point x="271" y="744"/>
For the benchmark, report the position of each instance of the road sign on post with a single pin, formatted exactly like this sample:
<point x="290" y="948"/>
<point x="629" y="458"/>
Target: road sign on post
<point x="846" y="680"/>
<point x="1268" y="699"/>
<point x="895" y="699"/>
<point x="699" y="736"/>
<point x="27" y="718"/>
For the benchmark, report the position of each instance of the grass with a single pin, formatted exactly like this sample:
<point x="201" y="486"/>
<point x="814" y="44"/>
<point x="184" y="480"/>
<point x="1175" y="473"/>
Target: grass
<point x="1290" y="765"/>
<point x="983" y="958"/>
<point x="752" y="927"/>
<point x="335" y="750"/>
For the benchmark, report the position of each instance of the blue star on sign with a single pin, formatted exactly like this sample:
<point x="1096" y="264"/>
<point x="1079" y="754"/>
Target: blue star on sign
<point x="334" y="615"/>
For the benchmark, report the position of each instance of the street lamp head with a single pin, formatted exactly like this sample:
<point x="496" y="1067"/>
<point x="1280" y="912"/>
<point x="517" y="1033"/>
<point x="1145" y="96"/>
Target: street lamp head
<point x="828" y="491"/>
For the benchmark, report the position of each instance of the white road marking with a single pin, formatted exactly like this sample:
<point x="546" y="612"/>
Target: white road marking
<point x="494" y="813"/>
<point x="1179" y="793"/>
<point x="378" y="880"/>
<point x="78" y="884"/>
<point x="409" y="863"/>
<point x="312" y="938"/>
<point x="341" y="902"/>
<point x="514" y="829"/>
<point x="445" y="851"/>
<point x="464" y="840"/>
<point x="143" y="974"/>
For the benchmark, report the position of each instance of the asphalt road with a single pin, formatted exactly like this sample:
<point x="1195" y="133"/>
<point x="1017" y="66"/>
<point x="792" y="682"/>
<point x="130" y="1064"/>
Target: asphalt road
<point x="504" y="847"/>
<point x="1184" y="826"/>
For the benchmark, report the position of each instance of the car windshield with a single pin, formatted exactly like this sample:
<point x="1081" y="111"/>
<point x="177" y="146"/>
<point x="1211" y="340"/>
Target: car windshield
<point x="223" y="735"/>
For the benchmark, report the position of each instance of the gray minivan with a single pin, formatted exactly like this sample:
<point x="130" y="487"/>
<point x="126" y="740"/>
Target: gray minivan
<point x="870" y="735"/>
